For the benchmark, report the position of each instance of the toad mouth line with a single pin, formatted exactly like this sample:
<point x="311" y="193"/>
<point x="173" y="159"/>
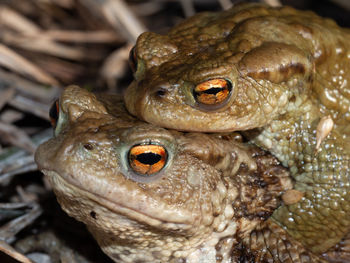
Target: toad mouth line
<point x="116" y="207"/>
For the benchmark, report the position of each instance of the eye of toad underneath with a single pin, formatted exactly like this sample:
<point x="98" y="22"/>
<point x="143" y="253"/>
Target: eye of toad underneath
<point x="147" y="159"/>
<point x="212" y="92"/>
<point x="54" y="113"/>
<point x="133" y="59"/>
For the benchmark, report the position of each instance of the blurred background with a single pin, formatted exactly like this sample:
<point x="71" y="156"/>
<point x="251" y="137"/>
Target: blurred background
<point x="46" y="45"/>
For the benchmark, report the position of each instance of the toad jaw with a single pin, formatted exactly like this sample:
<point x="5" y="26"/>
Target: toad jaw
<point x="168" y="219"/>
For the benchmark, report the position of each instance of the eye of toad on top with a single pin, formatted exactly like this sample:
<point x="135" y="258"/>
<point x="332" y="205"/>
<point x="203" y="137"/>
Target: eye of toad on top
<point x="147" y="159"/>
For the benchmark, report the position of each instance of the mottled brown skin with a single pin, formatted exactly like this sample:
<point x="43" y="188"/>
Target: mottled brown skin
<point x="210" y="203"/>
<point x="288" y="69"/>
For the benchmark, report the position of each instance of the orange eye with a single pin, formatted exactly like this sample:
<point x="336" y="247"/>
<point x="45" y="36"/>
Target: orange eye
<point x="147" y="159"/>
<point x="212" y="92"/>
<point x="133" y="59"/>
<point x="54" y="113"/>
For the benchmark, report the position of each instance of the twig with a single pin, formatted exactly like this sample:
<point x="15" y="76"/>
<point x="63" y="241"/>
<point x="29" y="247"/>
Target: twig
<point x="17" y="22"/>
<point x="9" y="230"/>
<point x="146" y="8"/>
<point x="115" y="66"/>
<point x="225" y="4"/>
<point x="342" y="3"/>
<point x="6" y="248"/>
<point x="29" y="105"/>
<point x="14" y="160"/>
<point x="31" y="37"/>
<point x="101" y="36"/>
<point x="41" y="44"/>
<point x="117" y="13"/>
<point x="13" y="205"/>
<point x="6" y="95"/>
<point x="17" y="63"/>
<point x="11" y="116"/>
<point x="15" y="136"/>
<point x="188" y="8"/>
<point x="274" y="3"/>
<point x="18" y="166"/>
<point x="26" y="87"/>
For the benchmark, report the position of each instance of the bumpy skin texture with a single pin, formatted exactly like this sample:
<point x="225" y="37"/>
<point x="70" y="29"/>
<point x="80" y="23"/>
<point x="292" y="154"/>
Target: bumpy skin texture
<point x="210" y="203"/>
<point x="288" y="69"/>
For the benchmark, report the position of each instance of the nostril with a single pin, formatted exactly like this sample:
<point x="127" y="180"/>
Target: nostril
<point x="160" y="92"/>
<point x="160" y="89"/>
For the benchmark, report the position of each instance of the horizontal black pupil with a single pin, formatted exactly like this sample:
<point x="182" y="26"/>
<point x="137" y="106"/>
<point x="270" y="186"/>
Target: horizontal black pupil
<point x="148" y="158"/>
<point x="212" y="91"/>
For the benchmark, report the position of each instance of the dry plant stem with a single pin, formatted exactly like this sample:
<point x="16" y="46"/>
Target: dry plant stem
<point x="146" y="8"/>
<point x="13" y="135"/>
<point x="56" y="248"/>
<point x="66" y="71"/>
<point x="7" y="249"/>
<point x="25" y="87"/>
<point x="13" y="205"/>
<point x="118" y="14"/>
<point x="343" y="3"/>
<point x="14" y="160"/>
<point x="26" y="196"/>
<point x="11" y="154"/>
<point x="29" y="105"/>
<point x="21" y="65"/>
<point x="40" y="43"/>
<point x="10" y="229"/>
<point x="7" y="214"/>
<point x="274" y="3"/>
<point x="32" y="38"/>
<point x="17" y="22"/>
<point x="68" y="257"/>
<point x="6" y="95"/>
<point x="101" y="36"/>
<point x="187" y="6"/>
<point x="225" y="4"/>
<point x="11" y="116"/>
<point x="115" y="66"/>
<point x="7" y="177"/>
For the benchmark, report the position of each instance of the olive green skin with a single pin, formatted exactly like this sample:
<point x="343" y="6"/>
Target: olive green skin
<point x="288" y="69"/>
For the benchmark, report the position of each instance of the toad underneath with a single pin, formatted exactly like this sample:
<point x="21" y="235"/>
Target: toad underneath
<point x="153" y="195"/>
<point x="280" y="76"/>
